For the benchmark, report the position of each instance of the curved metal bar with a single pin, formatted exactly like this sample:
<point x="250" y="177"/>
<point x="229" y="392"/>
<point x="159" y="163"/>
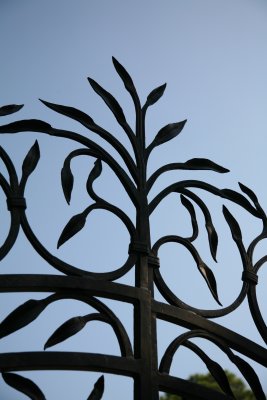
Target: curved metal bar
<point x="208" y="220"/>
<point x="42" y="127"/>
<point x="66" y="268"/>
<point x="120" y="214"/>
<point x="10" y="168"/>
<point x="59" y="360"/>
<point x="177" y="239"/>
<point x="123" y="177"/>
<point x="254" y="306"/>
<point x="204" y="270"/>
<point x="187" y="389"/>
<point x="180" y="186"/>
<point x="244" y="368"/>
<point x="5" y="186"/>
<point x="119" y="330"/>
<point x="98" y="199"/>
<point x="190" y="208"/>
<point x="191" y="320"/>
<point x="214" y="368"/>
<point x="12" y="234"/>
<point x="88" y="123"/>
<point x="116" y="109"/>
<point x="14" y="212"/>
<point x="60" y="283"/>
<point x="166" y="361"/>
<point x="175" y="166"/>
<point x="173" y="300"/>
<point x="254" y="243"/>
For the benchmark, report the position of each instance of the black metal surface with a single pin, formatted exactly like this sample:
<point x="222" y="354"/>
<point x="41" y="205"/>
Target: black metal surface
<point x="138" y="360"/>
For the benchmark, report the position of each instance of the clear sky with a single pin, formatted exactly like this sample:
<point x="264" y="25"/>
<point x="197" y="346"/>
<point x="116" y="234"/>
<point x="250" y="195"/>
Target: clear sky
<point x="213" y="56"/>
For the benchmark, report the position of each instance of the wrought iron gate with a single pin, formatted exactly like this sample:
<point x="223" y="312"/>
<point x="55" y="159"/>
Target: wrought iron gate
<point x="138" y="359"/>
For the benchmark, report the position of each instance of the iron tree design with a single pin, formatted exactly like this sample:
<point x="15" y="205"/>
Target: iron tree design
<point x="138" y="360"/>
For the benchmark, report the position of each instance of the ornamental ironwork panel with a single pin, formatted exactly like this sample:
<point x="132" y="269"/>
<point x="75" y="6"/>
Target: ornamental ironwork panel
<point x="138" y="359"/>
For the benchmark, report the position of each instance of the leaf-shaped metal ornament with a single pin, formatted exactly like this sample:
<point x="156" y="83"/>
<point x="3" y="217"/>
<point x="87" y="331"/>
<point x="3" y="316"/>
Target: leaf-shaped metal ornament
<point x="67" y="180"/>
<point x="10" y="109"/>
<point x="155" y="95"/>
<point x="233" y="224"/>
<point x="213" y="238"/>
<point x="250" y="376"/>
<point x="31" y="125"/>
<point x="214" y="368"/>
<point x="110" y="101"/>
<point x="22" y="316"/>
<point x="94" y="174"/>
<point x="239" y="199"/>
<point x="165" y="134"/>
<point x="23" y="385"/>
<point x="127" y="80"/>
<point x="189" y="206"/>
<point x="98" y="390"/>
<point x="207" y="274"/>
<point x="71" y="112"/>
<point x="220" y="376"/>
<point x="205" y="164"/>
<point x="212" y="234"/>
<point x="250" y="193"/>
<point x="66" y="330"/>
<point x="31" y="160"/>
<point x="168" y="132"/>
<point x="75" y="224"/>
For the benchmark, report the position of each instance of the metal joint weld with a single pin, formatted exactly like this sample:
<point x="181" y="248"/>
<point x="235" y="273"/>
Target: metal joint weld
<point x="250" y="277"/>
<point x="16" y="202"/>
<point x="138" y="247"/>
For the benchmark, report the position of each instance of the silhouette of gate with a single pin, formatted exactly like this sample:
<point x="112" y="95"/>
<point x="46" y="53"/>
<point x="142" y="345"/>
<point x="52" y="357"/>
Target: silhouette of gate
<point x="139" y="359"/>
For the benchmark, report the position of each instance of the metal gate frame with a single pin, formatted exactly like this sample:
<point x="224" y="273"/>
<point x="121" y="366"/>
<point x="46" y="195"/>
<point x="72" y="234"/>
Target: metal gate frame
<point x="139" y="359"/>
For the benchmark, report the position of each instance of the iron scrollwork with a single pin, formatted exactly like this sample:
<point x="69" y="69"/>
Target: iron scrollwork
<point x="137" y="360"/>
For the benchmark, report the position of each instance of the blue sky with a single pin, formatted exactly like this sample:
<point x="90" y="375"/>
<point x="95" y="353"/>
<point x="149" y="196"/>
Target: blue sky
<point x="213" y="56"/>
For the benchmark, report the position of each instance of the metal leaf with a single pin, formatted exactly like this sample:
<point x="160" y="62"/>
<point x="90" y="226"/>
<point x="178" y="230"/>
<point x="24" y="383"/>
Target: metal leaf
<point x="98" y="390"/>
<point x="127" y="80"/>
<point x="94" y="174"/>
<point x="207" y="274"/>
<point x="31" y="160"/>
<point x="233" y="224"/>
<point x="32" y="125"/>
<point x="239" y="199"/>
<point x="67" y="180"/>
<point x="250" y="375"/>
<point x="189" y="206"/>
<point x="110" y="101"/>
<point x="75" y="224"/>
<point x="168" y="132"/>
<point x="212" y="234"/>
<point x="249" y="192"/>
<point x="213" y="237"/>
<point x="214" y="368"/>
<point x="69" y="328"/>
<point x="71" y="112"/>
<point x="10" y="109"/>
<point x="155" y="95"/>
<point x="220" y="376"/>
<point x="23" y="385"/>
<point x="204" y="163"/>
<point x="22" y="316"/>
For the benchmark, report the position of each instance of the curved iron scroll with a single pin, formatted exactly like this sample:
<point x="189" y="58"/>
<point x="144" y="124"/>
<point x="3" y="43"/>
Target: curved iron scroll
<point x="138" y="359"/>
